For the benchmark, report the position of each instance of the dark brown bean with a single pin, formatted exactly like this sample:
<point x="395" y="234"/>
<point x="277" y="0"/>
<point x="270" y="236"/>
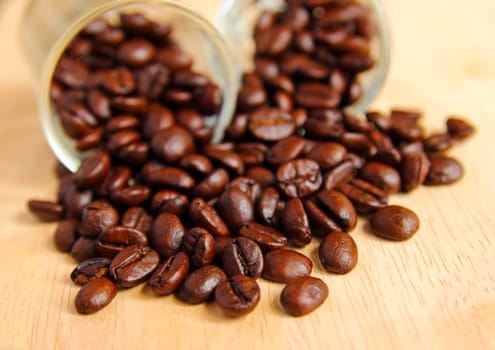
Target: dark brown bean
<point x="321" y="224"/>
<point x="171" y="177"/>
<point x="121" y="122"/>
<point x="168" y="201"/>
<point x="328" y="154"/>
<point x="95" y="295"/>
<point x="339" y="207"/>
<point x="84" y="248"/>
<point x="382" y="176"/>
<point x="303" y="295"/>
<point x="394" y="223"/>
<point x="365" y="197"/>
<point x="236" y="208"/>
<point x="263" y="176"/>
<point x="249" y="186"/>
<point x="138" y="218"/>
<point x="120" y="139"/>
<point x="46" y="210"/>
<point x="213" y="185"/>
<point x="438" y="143"/>
<point x="265" y="236"/>
<point x="338" y="253"/>
<point x="238" y="295"/>
<point x="228" y="159"/>
<point x="200" y="285"/>
<point x="114" y="239"/>
<point x="119" y="81"/>
<point x="136" y="52"/>
<point x="170" y="274"/>
<point x="285" y="150"/>
<point x="459" y="129"/>
<point x="285" y="265"/>
<point x="89" y="270"/>
<point x="155" y="119"/>
<point x="299" y="178"/>
<point x="242" y="256"/>
<point x="295" y="223"/>
<point x="340" y="173"/>
<point x="268" y="206"/>
<point x="316" y="95"/>
<point x="131" y="196"/>
<point x="173" y="58"/>
<point x="93" y="169"/>
<point x="167" y="233"/>
<point x="133" y="265"/>
<point x="200" y="245"/>
<point x="413" y="171"/>
<point x="99" y="104"/>
<point x="203" y="215"/>
<point x="172" y="144"/>
<point x="274" y="40"/>
<point x="97" y="216"/>
<point x="444" y="170"/>
<point x="405" y="125"/>
<point x="66" y="234"/>
<point x="152" y="80"/>
<point x="197" y="163"/>
<point x="208" y="99"/>
<point x="71" y="72"/>
<point x="271" y="124"/>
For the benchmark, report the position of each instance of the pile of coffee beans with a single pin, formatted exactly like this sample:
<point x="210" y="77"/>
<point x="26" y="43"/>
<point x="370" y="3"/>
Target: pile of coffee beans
<point x="154" y="202"/>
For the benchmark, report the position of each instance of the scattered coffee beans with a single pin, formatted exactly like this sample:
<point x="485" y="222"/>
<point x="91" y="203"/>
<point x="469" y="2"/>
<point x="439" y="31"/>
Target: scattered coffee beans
<point x="154" y="201"/>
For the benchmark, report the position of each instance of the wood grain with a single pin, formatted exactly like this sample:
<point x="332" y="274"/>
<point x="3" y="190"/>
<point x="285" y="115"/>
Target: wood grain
<point x="436" y="291"/>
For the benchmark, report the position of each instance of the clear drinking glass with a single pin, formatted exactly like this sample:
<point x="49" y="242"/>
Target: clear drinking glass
<point x="50" y="25"/>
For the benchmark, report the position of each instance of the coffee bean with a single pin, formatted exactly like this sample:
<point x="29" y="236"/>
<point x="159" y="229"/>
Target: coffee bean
<point x="382" y="176"/>
<point x="96" y="27"/>
<point x="285" y="150"/>
<point x="220" y="243"/>
<point x="208" y="99"/>
<point x="173" y="58"/>
<point x="365" y="197"/>
<point x="238" y="295"/>
<point x="381" y="122"/>
<point x="321" y="224"/>
<point x="170" y="274"/>
<point x="138" y="218"/>
<point x="167" y="233"/>
<point x="119" y="81"/>
<point x="84" y="248"/>
<point x="136" y="52"/>
<point x="203" y="215"/>
<point x="168" y="201"/>
<point x="95" y="295"/>
<point x="172" y="144"/>
<point x="438" y="143"/>
<point x="200" y="245"/>
<point x="155" y="119"/>
<point x="213" y="185"/>
<point x="133" y="265"/>
<point x="66" y="234"/>
<point x="274" y="40"/>
<point x="200" y="285"/>
<point x="394" y="223"/>
<point x="295" y="223"/>
<point x="268" y="206"/>
<point x="228" y="159"/>
<point x="328" y="154"/>
<point x="266" y="237"/>
<point x="74" y="202"/>
<point x="118" y="140"/>
<point x="172" y="178"/>
<point x="242" y="256"/>
<point x="459" y="129"/>
<point x="193" y="122"/>
<point x="261" y="175"/>
<point x="270" y="124"/>
<point x="238" y="127"/>
<point x="121" y="122"/>
<point x="444" y="170"/>
<point x="338" y="253"/>
<point x="405" y="125"/>
<point x="97" y="216"/>
<point x="93" y="169"/>
<point x="130" y="104"/>
<point x="299" y="178"/>
<point x="99" y="104"/>
<point x="303" y="295"/>
<point x="286" y="265"/>
<point x="316" y="95"/>
<point x="251" y="153"/>
<point x="131" y="196"/>
<point x="197" y="164"/>
<point x="338" y="174"/>
<point x="152" y="80"/>
<point x="413" y="171"/>
<point x="114" y="239"/>
<point x="46" y="210"/>
<point x="236" y="208"/>
<point x="71" y="72"/>
<point x="89" y="270"/>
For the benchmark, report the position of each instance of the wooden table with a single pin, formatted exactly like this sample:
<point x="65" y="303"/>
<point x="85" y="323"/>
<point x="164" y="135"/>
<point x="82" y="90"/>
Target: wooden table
<point x="436" y="291"/>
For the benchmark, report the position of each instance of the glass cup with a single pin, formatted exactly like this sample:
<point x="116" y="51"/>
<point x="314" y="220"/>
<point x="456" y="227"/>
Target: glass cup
<point x="50" y="25"/>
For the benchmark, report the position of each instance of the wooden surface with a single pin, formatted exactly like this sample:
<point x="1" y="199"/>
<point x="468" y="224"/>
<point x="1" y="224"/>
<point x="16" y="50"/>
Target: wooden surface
<point x="436" y="291"/>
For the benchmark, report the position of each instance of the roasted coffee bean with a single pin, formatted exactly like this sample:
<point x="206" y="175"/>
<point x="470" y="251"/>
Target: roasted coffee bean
<point x="122" y="122"/>
<point x="385" y="150"/>
<point x="405" y="125"/>
<point x="75" y="201"/>
<point x="168" y="201"/>
<point x="167" y="233"/>
<point x="380" y="122"/>
<point x="238" y="127"/>
<point x="338" y="253"/>
<point x="285" y="150"/>
<point x="89" y="270"/>
<point x="133" y="265"/>
<point x="173" y="58"/>
<point x="413" y="171"/>
<point x="299" y="178"/>
<point x="437" y="143"/>
<point x="321" y="224"/>
<point x="71" y="72"/>
<point x="208" y="99"/>
<point x="197" y="163"/>
<point x="365" y="197"/>
<point x="410" y="148"/>
<point x="97" y="216"/>
<point x="220" y="243"/>
<point x="394" y="223"/>
<point x="136" y="52"/>
<point x="236" y="208"/>
<point x="84" y="248"/>
<point x="119" y="81"/>
<point x="382" y="176"/>
<point x="114" y="239"/>
<point x="130" y="104"/>
<point x="200" y="285"/>
<point x="328" y="154"/>
<point x="228" y="159"/>
<point x="302" y="65"/>
<point x="324" y="126"/>
<point x="238" y="295"/>
<point x="157" y="118"/>
<point x="317" y="95"/>
<point x="200" y="245"/>
<point x="204" y="215"/>
<point x="459" y="129"/>
<point x="266" y="68"/>
<point x="266" y="237"/>
<point x="135" y="23"/>
<point x="271" y="124"/>
<point x="66" y="234"/>
<point x="172" y="144"/>
<point x="170" y="177"/>
<point x="213" y="185"/>
<point x="251" y="153"/>
<point x="99" y="104"/>
<point x="93" y="169"/>
<point x="96" y="27"/>
<point x="263" y="176"/>
<point x="120" y="139"/>
<point x="193" y="122"/>
<point x="242" y="256"/>
<point x="89" y="141"/>
<point x="46" y="210"/>
<point x="339" y="208"/>
<point x="304" y="41"/>
<point x="273" y="40"/>
<point x="340" y="173"/>
<point x="189" y="79"/>
<point x="152" y="80"/>
<point x="358" y="143"/>
<point x="295" y="223"/>
<point x="268" y="206"/>
<point x="131" y="196"/>
<point x="95" y="295"/>
<point x="135" y="154"/>
<point x="303" y="295"/>
<point x="138" y="218"/>
<point x="286" y="265"/>
<point x="444" y="170"/>
<point x="170" y="274"/>
<point x="249" y="186"/>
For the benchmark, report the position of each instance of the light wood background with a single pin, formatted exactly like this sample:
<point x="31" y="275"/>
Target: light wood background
<point x="436" y="291"/>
